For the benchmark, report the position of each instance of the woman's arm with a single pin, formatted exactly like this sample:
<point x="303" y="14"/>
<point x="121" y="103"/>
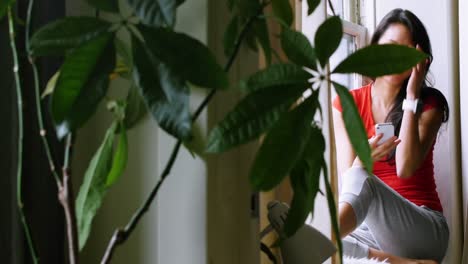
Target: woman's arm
<point x="417" y="133"/>
<point x="417" y="136"/>
<point x="345" y="154"/>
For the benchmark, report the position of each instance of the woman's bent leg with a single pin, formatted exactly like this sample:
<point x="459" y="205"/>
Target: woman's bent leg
<point x="399" y="227"/>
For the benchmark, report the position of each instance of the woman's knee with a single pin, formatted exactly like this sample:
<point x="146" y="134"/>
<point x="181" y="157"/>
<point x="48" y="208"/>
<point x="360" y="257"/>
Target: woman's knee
<point x="353" y="180"/>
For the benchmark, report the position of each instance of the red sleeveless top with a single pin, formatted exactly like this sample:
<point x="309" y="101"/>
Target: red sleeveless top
<point x="420" y="188"/>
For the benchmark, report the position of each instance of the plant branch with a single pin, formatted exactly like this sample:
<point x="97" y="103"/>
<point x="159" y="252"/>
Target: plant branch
<point x="237" y="45"/>
<point x="19" y="169"/>
<point x="64" y="188"/>
<point x="121" y="235"/>
<point x="333" y="165"/>
<point x="66" y="198"/>
<point x="331" y="7"/>
<point x="42" y="130"/>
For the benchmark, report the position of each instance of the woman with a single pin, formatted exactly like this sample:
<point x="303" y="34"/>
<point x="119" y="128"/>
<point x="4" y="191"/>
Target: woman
<point x="396" y="215"/>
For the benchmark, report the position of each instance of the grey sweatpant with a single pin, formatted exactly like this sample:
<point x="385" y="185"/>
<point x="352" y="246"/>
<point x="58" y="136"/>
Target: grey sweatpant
<point x="386" y="221"/>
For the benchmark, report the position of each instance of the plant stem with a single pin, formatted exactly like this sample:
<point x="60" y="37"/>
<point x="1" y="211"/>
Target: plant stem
<point x="230" y="61"/>
<point x="42" y="130"/>
<point x="64" y="189"/>
<point x="333" y="170"/>
<point x="121" y="235"/>
<point x="19" y="168"/>
<point x="66" y="199"/>
<point x="331" y="7"/>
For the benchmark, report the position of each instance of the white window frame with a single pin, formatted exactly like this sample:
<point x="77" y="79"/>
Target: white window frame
<point x="369" y="20"/>
<point x="358" y="32"/>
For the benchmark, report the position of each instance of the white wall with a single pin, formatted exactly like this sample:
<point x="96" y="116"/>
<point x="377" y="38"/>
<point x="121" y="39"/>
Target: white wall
<point x="174" y="229"/>
<point x="437" y="15"/>
<point x="181" y="206"/>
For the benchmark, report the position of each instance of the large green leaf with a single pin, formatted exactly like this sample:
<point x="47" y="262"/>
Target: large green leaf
<point x="83" y="81"/>
<point x="353" y="124"/>
<point x="85" y="104"/>
<point x="135" y="109"/>
<point x="298" y="48"/>
<point x="283" y="146"/>
<point x="312" y="6"/>
<point x="230" y="35"/>
<point x="155" y="12"/>
<point x="316" y="146"/>
<point x="247" y="8"/>
<point x="57" y="37"/>
<point x="305" y="183"/>
<point x="251" y="41"/>
<point x="328" y="38"/>
<point x="119" y="161"/>
<point x="185" y="56"/>
<point x="255" y="114"/>
<point x="301" y="201"/>
<point x="332" y="210"/>
<point x="282" y="9"/>
<point x="305" y="179"/>
<point x="230" y="4"/>
<point x="276" y="75"/>
<point x="258" y="33"/>
<point x="260" y="29"/>
<point x="124" y="52"/>
<point x="379" y="60"/>
<point x="94" y="188"/>
<point x="105" y="5"/>
<point x="165" y="93"/>
<point x="4" y="4"/>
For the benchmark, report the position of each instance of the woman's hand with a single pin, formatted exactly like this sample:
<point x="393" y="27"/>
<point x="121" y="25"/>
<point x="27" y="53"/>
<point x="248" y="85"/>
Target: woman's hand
<point x="379" y="152"/>
<point x="416" y="79"/>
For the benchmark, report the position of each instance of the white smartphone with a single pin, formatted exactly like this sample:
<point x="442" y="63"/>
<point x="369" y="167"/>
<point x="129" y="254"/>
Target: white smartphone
<point x="386" y="129"/>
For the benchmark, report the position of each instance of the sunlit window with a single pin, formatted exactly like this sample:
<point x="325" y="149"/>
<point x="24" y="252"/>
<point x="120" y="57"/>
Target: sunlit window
<point x="354" y="37"/>
<point x="337" y="6"/>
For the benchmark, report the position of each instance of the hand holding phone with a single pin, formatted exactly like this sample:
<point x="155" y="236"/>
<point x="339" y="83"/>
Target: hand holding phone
<point x="387" y="129"/>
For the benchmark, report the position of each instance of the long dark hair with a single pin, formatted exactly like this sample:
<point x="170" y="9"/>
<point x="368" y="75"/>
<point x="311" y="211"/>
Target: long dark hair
<point x="419" y="36"/>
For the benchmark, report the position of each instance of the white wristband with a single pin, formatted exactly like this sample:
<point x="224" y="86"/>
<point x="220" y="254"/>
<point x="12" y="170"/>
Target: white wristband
<point x="411" y="105"/>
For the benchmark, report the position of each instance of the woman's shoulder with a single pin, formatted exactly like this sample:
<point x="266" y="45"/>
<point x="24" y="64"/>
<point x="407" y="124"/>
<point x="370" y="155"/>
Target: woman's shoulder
<point x="432" y="98"/>
<point x="361" y="92"/>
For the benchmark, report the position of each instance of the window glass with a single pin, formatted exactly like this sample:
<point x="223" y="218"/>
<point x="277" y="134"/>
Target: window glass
<point x="347" y="47"/>
<point x="338" y="6"/>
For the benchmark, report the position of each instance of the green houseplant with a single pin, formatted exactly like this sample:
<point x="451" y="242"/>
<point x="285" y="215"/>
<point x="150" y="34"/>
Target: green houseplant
<point x="155" y="61"/>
